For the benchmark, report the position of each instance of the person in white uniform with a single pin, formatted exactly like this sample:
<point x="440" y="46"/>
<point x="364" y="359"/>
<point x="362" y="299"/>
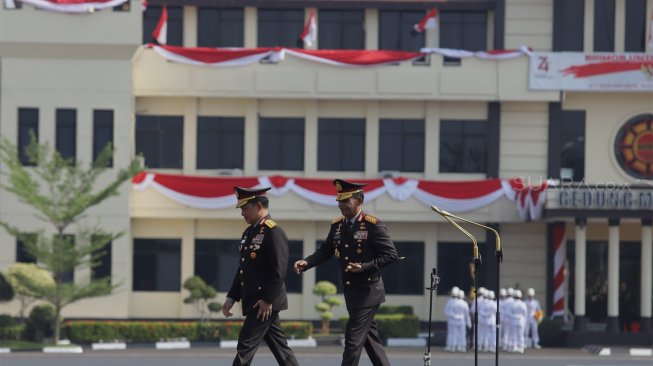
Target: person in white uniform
<point x="449" y="347"/>
<point x="486" y="320"/>
<point x="507" y="320"/>
<point x="533" y="306"/>
<point x="519" y="314"/>
<point x="460" y="320"/>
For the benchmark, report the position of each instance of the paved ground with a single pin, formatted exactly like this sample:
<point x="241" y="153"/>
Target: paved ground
<point x="321" y="356"/>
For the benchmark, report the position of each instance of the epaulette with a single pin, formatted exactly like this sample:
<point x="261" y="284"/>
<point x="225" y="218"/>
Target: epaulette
<point x="269" y="223"/>
<point x="337" y="220"/>
<point x="372" y="219"/>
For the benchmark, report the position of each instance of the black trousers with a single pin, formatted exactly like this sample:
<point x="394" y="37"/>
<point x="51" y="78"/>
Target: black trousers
<point x="254" y="331"/>
<point x="361" y="332"/>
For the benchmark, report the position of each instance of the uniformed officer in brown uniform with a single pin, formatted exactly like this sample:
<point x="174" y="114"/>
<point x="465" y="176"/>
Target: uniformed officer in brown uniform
<point x="259" y="281"/>
<point x="362" y="245"/>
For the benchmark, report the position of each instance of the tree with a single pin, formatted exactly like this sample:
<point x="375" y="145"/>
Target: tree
<point x="60" y="191"/>
<point x="6" y="290"/>
<point x="200" y="294"/>
<point x="325" y="290"/>
<point x="28" y="281"/>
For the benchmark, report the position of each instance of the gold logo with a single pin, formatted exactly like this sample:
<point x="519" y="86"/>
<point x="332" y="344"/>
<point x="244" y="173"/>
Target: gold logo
<point x="634" y="147"/>
<point x="338" y="187"/>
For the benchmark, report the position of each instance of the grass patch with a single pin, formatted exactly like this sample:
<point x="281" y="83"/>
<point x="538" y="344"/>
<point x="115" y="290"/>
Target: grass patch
<point x="21" y="345"/>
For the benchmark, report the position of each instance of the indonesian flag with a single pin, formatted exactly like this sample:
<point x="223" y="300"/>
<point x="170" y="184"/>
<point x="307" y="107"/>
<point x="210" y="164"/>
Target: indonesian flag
<point x="428" y="22"/>
<point x="309" y="34"/>
<point x="161" y="31"/>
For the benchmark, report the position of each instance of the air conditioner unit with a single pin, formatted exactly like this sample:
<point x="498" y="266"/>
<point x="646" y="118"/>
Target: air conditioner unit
<point x="231" y="172"/>
<point x="389" y="174"/>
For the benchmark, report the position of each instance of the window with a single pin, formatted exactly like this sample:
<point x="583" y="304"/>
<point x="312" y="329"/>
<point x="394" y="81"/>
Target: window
<point x="22" y="255"/>
<point x="456" y="260"/>
<point x="278" y="27"/>
<point x="341" y="29"/>
<point x="635" y="34"/>
<point x="66" y="134"/>
<point x="103" y="269"/>
<point x="295" y="252"/>
<point x="401" y="145"/>
<point x="603" y="25"/>
<point x="406" y="277"/>
<point x="68" y="241"/>
<point x="281" y="143"/>
<point x="220" y="142"/>
<point x="216" y="261"/>
<point x="572" y="154"/>
<point x="341" y="144"/>
<point x="28" y="124"/>
<point x="568" y="25"/>
<point x="161" y="141"/>
<point x="219" y="27"/>
<point x="463" y="146"/>
<point x="157" y="264"/>
<point x="175" y="35"/>
<point x="102" y="132"/>
<point x="396" y="30"/>
<point x="329" y="271"/>
<point x="463" y="31"/>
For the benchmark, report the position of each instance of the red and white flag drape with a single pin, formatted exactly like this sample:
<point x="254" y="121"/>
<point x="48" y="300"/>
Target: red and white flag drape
<point x="309" y="35"/>
<point x="217" y="192"/>
<point x="559" y="258"/>
<point x="74" y="6"/>
<point x="160" y="32"/>
<point x="429" y="21"/>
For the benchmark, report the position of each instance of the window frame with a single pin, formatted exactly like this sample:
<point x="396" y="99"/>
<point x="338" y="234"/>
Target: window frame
<point x="386" y="141"/>
<point x="335" y="142"/>
<point x="483" y="156"/>
<point x="171" y="242"/>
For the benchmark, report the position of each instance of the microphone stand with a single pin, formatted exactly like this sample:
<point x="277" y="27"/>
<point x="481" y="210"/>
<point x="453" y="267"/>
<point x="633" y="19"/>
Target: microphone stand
<point x="435" y="280"/>
<point x="477" y="264"/>
<point x="499" y="255"/>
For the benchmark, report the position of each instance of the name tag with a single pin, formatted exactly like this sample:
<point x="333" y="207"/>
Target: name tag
<point x="336" y="236"/>
<point x="360" y="235"/>
<point x="258" y="239"/>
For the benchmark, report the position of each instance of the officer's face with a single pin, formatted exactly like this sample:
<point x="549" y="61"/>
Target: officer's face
<point x="250" y="212"/>
<point x="349" y="207"/>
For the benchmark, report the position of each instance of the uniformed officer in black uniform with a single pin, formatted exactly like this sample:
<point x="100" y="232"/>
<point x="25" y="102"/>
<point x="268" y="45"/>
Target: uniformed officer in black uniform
<point x="259" y="281"/>
<point x="362" y="245"/>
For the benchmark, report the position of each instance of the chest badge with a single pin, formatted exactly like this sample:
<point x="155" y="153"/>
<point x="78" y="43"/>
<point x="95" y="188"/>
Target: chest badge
<point x="360" y="235"/>
<point x="252" y="255"/>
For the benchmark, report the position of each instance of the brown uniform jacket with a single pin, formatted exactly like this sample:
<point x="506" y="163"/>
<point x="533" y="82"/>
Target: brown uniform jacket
<point x="367" y="243"/>
<point x="263" y="267"/>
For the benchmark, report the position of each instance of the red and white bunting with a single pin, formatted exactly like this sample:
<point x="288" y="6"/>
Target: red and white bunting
<point x="353" y="57"/>
<point x="217" y="192"/>
<point x="309" y="35"/>
<point x="488" y="55"/>
<point x="213" y="57"/>
<point x="429" y="21"/>
<point x="74" y="6"/>
<point x="529" y="199"/>
<point x="160" y="32"/>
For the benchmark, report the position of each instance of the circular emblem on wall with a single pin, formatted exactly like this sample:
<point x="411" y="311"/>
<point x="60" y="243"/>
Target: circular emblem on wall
<point x="633" y="147"/>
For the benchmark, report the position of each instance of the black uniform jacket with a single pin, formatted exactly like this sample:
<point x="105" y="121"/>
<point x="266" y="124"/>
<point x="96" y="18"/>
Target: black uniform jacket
<point x="263" y="267"/>
<point x="368" y="243"/>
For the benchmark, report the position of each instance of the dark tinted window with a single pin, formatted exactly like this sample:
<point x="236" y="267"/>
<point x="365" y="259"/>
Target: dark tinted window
<point x="220" y="142"/>
<point x="28" y="124"/>
<point x="281" y="143"/>
<point x="216" y="261"/>
<point x="455" y="266"/>
<point x="341" y="29"/>
<point x="572" y="156"/>
<point x="68" y="277"/>
<point x="277" y="27"/>
<point x="161" y="140"/>
<point x="157" y="265"/>
<point x="218" y="27"/>
<point x="341" y="144"/>
<point x="568" y="25"/>
<point x="175" y="35"/>
<point x="396" y="30"/>
<point x="406" y="277"/>
<point x="66" y="133"/>
<point x="329" y="271"/>
<point x="103" y="270"/>
<point x="295" y="252"/>
<point x="635" y="34"/>
<point x="401" y="145"/>
<point x="463" y="146"/>
<point x="102" y="131"/>
<point x="603" y="25"/>
<point x="22" y="255"/>
<point x="463" y="30"/>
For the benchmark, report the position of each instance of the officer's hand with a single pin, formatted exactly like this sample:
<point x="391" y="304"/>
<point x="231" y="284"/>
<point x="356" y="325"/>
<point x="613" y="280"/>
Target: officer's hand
<point x="226" y="309"/>
<point x="354" y="267"/>
<point x="264" y="310"/>
<point x="300" y="266"/>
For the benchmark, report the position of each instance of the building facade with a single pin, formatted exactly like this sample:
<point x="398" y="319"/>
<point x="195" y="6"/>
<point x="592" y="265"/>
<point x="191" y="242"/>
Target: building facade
<point x="434" y="118"/>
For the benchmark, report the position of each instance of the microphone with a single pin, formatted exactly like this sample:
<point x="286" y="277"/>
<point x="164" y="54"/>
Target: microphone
<point x="446" y="214"/>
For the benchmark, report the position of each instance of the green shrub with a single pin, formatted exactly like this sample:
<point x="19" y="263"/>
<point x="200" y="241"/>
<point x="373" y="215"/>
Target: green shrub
<point x="7" y="320"/>
<point x="397" y="325"/>
<point x="297" y="330"/>
<point x="208" y="331"/>
<point x="12" y="333"/>
<point x="551" y="333"/>
<point x="39" y="323"/>
<point x="396" y="309"/>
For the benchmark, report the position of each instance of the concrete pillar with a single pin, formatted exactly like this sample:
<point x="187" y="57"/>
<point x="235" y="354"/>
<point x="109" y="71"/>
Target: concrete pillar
<point x="579" y="275"/>
<point x="646" y="275"/>
<point x="613" y="276"/>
